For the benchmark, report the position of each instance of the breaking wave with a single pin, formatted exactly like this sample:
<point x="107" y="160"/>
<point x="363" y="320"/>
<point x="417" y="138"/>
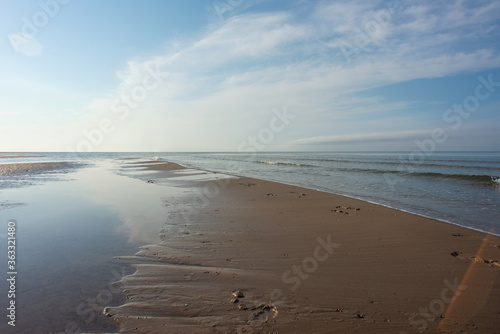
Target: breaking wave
<point x="283" y="163"/>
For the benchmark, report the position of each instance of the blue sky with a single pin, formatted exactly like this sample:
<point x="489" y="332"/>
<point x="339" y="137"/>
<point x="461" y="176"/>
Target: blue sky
<point x="219" y="75"/>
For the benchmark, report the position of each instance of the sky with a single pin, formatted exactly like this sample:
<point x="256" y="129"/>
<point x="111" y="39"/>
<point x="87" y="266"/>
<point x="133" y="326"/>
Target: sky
<point x="249" y="75"/>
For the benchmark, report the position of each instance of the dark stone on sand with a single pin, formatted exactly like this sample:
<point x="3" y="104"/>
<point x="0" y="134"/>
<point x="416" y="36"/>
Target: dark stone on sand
<point x="238" y="294"/>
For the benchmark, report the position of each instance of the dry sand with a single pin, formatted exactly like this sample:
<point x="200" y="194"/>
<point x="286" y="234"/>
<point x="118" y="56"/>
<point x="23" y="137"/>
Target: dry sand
<point x="299" y="260"/>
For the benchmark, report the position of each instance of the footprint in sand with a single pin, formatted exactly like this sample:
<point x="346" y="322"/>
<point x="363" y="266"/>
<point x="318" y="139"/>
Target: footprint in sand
<point x="261" y="312"/>
<point x="300" y="195"/>
<point x="475" y="259"/>
<point x="344" y="209"/>
<point x="264" y="312"/>
<point x="247" y="184"/>
<point x="478" y="259"/>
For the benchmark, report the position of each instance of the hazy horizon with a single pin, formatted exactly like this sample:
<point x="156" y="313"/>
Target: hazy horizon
<point x="257" y="152"/>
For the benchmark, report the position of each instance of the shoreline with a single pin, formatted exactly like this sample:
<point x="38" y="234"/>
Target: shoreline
<point x="249" y="236"/>
<point x="34" y="166"/>
<point x="344" y="195"/>
<point x="480" y="216"/>
<point x="19" y="156"/>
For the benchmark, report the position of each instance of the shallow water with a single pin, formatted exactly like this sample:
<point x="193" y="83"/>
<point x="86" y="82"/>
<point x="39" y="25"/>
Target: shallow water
<point x="67" y="233"/>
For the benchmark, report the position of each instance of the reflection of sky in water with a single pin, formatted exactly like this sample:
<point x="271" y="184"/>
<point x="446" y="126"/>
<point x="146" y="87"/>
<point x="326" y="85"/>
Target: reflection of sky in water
<point x="94" y="202"/>
<point x="136" y="204"/>
<point x="67" y="233"/>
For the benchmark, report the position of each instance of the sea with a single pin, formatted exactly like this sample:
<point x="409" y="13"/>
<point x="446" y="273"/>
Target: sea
<point x="461" y="188"/>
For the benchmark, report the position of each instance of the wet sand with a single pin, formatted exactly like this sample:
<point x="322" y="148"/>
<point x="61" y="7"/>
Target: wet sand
<point x="19" y="156"/>
<point x="7" y="169"/>
<point x="249" y="256"/>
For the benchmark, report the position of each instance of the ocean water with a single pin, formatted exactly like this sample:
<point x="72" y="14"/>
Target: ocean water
<point x="462" y="188"/>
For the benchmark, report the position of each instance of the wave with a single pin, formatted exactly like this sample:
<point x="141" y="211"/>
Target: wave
<point x="429" y="163"/>
<point x="465" y="177"/>
<point x="484" y="179"/>
<point x="481" y="178"/>
<point x="283" y="163"/>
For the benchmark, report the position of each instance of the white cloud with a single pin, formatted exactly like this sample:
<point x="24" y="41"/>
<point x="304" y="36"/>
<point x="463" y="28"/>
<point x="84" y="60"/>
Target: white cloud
<point x="362" y="137"/>
<point x="249" y="36"/>
<point x="221" y="86"/>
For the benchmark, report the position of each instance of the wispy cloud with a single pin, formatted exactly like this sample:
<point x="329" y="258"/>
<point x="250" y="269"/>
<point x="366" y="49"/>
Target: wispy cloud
<point x="253" y="62"/>
<point x="362" y="137"/>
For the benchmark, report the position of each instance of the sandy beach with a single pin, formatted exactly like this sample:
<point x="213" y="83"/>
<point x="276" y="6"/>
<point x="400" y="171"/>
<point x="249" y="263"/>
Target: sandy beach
<point x="7" y="169"/>
<point x="254" y="256"/>
<point x="19" y="156"/>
